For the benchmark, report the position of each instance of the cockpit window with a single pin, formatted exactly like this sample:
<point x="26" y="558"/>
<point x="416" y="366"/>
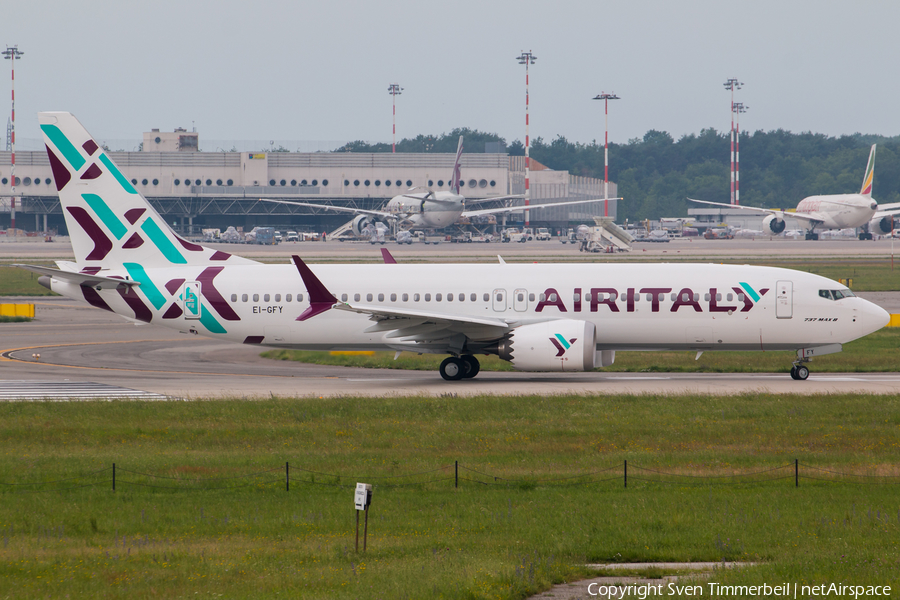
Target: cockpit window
<point x="835" y="294"/>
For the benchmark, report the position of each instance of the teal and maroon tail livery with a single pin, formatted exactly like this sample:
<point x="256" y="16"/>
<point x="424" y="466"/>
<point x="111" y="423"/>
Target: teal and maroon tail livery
<point x="110" y="224"/>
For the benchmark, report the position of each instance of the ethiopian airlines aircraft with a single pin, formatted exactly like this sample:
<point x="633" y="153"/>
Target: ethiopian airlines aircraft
<point x="833" y="211"/>
<point x="430" y="209"/>
<point x="539" y="317"/>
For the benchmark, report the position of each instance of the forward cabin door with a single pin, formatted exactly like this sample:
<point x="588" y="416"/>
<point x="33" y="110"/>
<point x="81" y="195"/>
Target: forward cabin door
<point x="499" y="297"/>
<point x="520" y="300"/>
<point x="784" y="300"/>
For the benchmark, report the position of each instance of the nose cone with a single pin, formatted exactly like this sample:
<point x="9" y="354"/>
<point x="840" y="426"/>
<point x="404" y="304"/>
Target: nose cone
<point x="873" y="317"/>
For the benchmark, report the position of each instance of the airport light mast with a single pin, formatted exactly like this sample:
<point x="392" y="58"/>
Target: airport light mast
<point x="527" y="58"/>
<point x="394" y="90"/>
<point x="606" y="98"/>
<point x="12" y="54"/>
<point x="738" y="108"/>
<point x="732" y="84"/>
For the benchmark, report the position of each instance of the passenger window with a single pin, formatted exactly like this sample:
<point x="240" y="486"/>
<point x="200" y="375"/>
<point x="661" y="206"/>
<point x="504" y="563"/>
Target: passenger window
<point x="266" y="298"/>
<point x="406" y="297"/>
<point x="729" y="297"/>
<point x="288" y="297"/>
<point x="393" y="297"/>
<point x="277" y="297"/>
<point x="673" y="296"/>
<point x="381" y="297"/>
<point x="462" y="297"/>
<point x="256" y="297"/>
<point x="299" y="297"/>
<point x="437" y="297"/>
<point x="234" y="297"/>
<point x="343" y="297"/>
<point x="473" y="297"/>
<point x="427" y="297"/>
<point x="577" y="298"/>
<point x="356" y="297"/>
<point x="499" y="297"/>
<point x="706" y="297"/>
<point x="487" y="297"/>
<point x="521" y="297"/>
<point x="623" y="297"/>
<point x="718" y="297"/>
<point x="662" y="296"/>
<point x="368" y="297"/>
<point x="243" y="297"/>
<point x="415" y="297"/>
<point x="543" y="297"/>
<point x="649" y="297"/>
<point x="740" y="297"/>
<point x="684" y="297"/>
<point x="696" y="297"/>
<point x="531" y="297"/>
<point x="450" y="297"/>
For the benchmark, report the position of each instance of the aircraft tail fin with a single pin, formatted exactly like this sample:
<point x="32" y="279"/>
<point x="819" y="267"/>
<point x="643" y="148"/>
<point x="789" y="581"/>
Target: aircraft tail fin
<point x="454" y="180"/>
<point x="110" y="223"/>
<point x="870" y="174"/>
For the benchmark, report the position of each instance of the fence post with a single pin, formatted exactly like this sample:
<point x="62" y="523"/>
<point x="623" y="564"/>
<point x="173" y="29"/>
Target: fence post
<point x="456" y="474"/>
<point x="626" y="473"/>
<point x="796" y="473"/>
<point x="287" y="476"/>
<point x="114" y="476"/>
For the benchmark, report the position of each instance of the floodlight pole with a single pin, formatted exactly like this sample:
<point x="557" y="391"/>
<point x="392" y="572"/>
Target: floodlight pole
<point x="732" y="84"/>
<point x="394" y="90"/>
<point x="12" y="54"/>
<point x="527" y="58"/>
<point x="606" y="98"/>
<point x="738" y="109"/>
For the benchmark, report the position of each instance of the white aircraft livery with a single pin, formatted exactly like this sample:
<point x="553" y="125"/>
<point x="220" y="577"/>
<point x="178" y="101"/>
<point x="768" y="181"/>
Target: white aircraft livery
<point x="539" y="317"/>
<point x="832" y="211"/>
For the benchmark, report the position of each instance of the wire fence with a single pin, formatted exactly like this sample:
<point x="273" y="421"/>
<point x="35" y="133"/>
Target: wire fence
<point x="117" y="478"/>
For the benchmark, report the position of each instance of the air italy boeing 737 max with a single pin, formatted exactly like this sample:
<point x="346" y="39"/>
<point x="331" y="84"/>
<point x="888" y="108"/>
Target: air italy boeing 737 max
<point x="540" y="317"/>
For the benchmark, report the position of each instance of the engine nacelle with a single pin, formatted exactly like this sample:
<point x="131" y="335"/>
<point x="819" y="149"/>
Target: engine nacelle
<point x="772" y="224"/>
<point x="360" y="223"/>
<point x="564" y="345"/>
<point x="881" y="225"/>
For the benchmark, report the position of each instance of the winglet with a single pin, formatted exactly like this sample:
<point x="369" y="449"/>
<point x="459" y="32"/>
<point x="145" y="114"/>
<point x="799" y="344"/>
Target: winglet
<point x="500" y="258"/>
<point x="320" y="299"/>
<point x="866" y="189"/>
<point x="386" y="255"/>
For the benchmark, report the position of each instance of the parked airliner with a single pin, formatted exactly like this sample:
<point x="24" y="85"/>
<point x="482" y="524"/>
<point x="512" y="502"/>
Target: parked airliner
<point x="833" y="211"/>
<point x="539" y="317"/>
<point x="429" y="209"/>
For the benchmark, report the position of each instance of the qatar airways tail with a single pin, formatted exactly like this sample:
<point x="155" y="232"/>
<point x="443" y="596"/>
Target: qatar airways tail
<point x="539" y="317"/>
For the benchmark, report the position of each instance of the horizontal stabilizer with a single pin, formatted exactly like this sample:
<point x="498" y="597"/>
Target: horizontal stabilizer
<point x="85" y="279"/>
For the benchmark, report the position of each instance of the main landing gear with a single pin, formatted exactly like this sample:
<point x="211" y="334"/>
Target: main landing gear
<point x="799" y="372"/>
<point x="812" y="236"/>
<point x="454" y="368"/>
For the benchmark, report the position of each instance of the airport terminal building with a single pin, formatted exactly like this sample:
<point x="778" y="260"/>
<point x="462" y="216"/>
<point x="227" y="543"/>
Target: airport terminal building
<point x="194" y="190"/>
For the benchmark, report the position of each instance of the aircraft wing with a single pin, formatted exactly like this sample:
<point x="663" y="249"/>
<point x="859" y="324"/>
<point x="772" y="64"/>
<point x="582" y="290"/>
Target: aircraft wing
<point x="356" y="211"/>
<point x="521" y="207"/>
<point x="408" y="325"/>
<point x="769" y="211"/>
<point x="490" y="198"/>
<point x="94" y="281"/>
<point x="888" y="208"/>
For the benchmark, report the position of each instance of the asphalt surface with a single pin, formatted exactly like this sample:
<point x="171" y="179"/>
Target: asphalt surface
<point x="79" y="344"/>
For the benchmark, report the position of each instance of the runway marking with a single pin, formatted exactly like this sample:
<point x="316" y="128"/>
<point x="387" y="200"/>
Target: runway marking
<point x="69" y="390"/>
<point x="637" y="378"/>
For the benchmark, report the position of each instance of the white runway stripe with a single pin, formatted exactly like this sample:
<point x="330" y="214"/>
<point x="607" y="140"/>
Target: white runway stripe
<point x="69" y="390"/>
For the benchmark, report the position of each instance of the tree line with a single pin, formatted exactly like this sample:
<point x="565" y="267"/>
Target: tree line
<point x="656" y="174"/>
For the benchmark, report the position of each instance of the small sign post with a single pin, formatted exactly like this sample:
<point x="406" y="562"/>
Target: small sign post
<point x="362" y="499"/>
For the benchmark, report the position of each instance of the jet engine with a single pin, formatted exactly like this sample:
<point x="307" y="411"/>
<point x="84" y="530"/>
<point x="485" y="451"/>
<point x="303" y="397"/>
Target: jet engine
<point x="360" y="223"/>
<point x="564" y="345"/>
<point x="772" y="224"/>
<point x="881" y="225"/>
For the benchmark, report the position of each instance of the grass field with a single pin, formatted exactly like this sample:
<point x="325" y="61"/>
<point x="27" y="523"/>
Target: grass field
<point x="502" y="538"/>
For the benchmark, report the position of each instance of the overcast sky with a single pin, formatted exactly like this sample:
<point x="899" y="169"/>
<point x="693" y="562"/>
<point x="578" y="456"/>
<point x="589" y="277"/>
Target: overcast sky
<point x="319" y="70"/>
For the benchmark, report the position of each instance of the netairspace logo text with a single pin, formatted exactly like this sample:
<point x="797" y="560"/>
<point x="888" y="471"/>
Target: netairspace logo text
<point x="714" y="590"/>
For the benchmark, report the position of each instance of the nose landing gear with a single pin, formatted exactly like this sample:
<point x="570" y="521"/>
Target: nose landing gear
<point x="799" y="372"/>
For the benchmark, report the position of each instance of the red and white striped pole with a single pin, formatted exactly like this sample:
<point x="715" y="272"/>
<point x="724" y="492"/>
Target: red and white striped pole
<point x="732" y="84"/>
<point x="738" y="109"/>
<point x="12" y="54"/>
<point x="394" y="90"/>
<point x="606" y="98"/>
<point x="527" y="58"/>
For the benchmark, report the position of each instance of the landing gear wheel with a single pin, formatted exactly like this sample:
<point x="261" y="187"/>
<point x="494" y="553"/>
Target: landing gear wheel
<point x="452" y="369"/>
<point x="471" y="367"/>
<point x="802" y="373"/>
<point x="794" y="373"/>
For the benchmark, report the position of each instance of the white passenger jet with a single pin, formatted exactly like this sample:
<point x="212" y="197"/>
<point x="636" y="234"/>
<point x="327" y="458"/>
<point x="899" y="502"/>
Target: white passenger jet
<point x="539" y="317"/>
<point x="429" y="209"/>
<point x="833" y="211"/>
